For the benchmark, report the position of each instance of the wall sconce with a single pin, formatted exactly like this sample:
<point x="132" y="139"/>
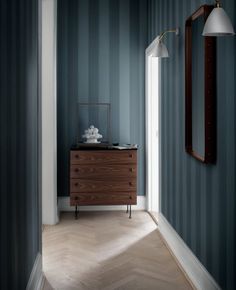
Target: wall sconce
<point x="160" y="49"/>
<point x="218" y="23"/>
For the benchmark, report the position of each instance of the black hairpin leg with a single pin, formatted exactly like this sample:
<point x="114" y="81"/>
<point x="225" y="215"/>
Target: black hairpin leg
<point x="130" y="211"/>
<point x="76" y="212"/>
<point x="127" y="209"/>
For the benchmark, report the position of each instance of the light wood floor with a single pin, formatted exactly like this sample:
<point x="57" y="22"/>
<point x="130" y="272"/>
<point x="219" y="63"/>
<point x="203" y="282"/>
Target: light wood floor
<point x="106" y="250"/>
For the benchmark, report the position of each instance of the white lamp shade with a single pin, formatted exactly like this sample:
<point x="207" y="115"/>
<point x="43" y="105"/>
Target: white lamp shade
<point x="218" y="24"/>
<point x="160" y="50"/>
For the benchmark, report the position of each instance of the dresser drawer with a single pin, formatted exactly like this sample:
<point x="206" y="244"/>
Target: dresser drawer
<point x="106" y="185"/>
<point x="103" y="157"/>
<point x="103" y="171"/>
<point x="116" y="198"/>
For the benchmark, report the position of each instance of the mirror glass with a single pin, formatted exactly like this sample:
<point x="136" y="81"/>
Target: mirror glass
<point x="198" y="94"/>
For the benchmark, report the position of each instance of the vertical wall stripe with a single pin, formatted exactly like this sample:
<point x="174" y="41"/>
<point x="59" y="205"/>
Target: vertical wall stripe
<point x="114" y="68"/>
<point x="143" y="32"/>
<point x="164" y="171"/>
<point x="124" y="70"/>
<point x="93" y="50"/>
<point x="194" y="183"/>
<point x="103" y="59"/>
<point x="197" y="199"/>
<point x="13" y="114"/>
<point x="83" y="44"/>
<point x="234" y="202"/>
<point x="72" y="72"/>
<point x="137" y="50"/>
<point x="178" y="98"/>
<point x="230" y="149"/>
<point x="171" y="124"/>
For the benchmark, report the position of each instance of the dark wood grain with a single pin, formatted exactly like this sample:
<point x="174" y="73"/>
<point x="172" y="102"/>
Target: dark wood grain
<point x="115" y="198"/>
<point x="103" y="157"/>
<point x="107" y="177"/>
<point x="104" y="185"/>
<point x="103" y="171"/>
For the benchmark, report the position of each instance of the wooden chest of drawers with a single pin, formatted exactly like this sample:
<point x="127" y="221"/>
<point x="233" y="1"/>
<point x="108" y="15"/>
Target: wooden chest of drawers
<point x="103" y="177"/>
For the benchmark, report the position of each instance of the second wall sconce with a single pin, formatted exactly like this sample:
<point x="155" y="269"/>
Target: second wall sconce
<point x="160" y="49"/>
<point x="218" y="23"/>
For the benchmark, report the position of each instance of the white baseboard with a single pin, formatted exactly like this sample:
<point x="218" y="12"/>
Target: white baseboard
<point x="196" y="272"/>
<point x="64" y="205"/>
<point x="36" y="280"/>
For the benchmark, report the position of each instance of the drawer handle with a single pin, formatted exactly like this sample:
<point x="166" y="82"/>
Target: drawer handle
<point x="76" y="184"/>
<point x="130" y="197"/>
<point x="130" y="183"/>
<point x="130" y="155"/>
<point x="131" y="169"/>
<point x="76" y="170"/>
<point x="77" y="156"/>
<point x="76" y="198"/>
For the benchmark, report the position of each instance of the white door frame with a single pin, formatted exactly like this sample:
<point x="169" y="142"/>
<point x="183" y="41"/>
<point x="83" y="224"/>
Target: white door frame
<point x="49" y="112"/>
<point x="153" y="199"/>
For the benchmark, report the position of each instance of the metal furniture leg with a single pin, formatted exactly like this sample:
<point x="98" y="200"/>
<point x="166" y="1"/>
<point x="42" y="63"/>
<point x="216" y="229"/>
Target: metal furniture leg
<point x="127" y="209"/>
<point x="76" y="212"/>
<point x="130" y="211"/>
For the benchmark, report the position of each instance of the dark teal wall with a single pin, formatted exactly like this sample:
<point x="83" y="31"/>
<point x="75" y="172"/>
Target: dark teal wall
<point x="198" y="200"/>
<point x="19" y="151"/>
<point x="101" y="49"/>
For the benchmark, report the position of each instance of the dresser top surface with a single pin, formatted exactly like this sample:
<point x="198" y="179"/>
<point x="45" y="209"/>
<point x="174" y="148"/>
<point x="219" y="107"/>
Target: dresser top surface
<point x="100" y="148"/>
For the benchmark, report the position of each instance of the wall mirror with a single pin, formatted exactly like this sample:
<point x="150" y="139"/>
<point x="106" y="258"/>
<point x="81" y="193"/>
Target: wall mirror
<point x="200" y="88"/>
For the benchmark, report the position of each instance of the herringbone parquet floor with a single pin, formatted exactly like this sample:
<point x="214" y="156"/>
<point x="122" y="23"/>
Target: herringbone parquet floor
<point x="106" y="251"/>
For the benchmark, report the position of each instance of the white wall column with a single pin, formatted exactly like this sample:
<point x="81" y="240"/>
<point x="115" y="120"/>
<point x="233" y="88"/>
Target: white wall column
<point x="49" y="112"/>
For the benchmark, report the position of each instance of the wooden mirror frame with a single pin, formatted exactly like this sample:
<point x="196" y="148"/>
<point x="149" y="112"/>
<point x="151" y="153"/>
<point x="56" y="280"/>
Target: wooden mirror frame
<point x="209" y="89"/>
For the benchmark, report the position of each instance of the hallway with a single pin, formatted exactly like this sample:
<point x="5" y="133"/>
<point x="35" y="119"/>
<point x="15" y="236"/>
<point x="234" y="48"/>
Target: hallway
<point x="106" y="250"/>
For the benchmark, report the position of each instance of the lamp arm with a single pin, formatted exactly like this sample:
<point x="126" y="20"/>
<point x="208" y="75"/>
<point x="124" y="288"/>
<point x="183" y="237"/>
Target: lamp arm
<point x="217" y="3"/>
<point x="167" y="31"/>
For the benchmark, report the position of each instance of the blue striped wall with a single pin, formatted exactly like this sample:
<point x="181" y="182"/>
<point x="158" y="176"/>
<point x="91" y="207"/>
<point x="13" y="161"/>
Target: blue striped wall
<point x="101" y="45"/>
<point x="198" y="200"/>
<point x="19" y="142"/>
